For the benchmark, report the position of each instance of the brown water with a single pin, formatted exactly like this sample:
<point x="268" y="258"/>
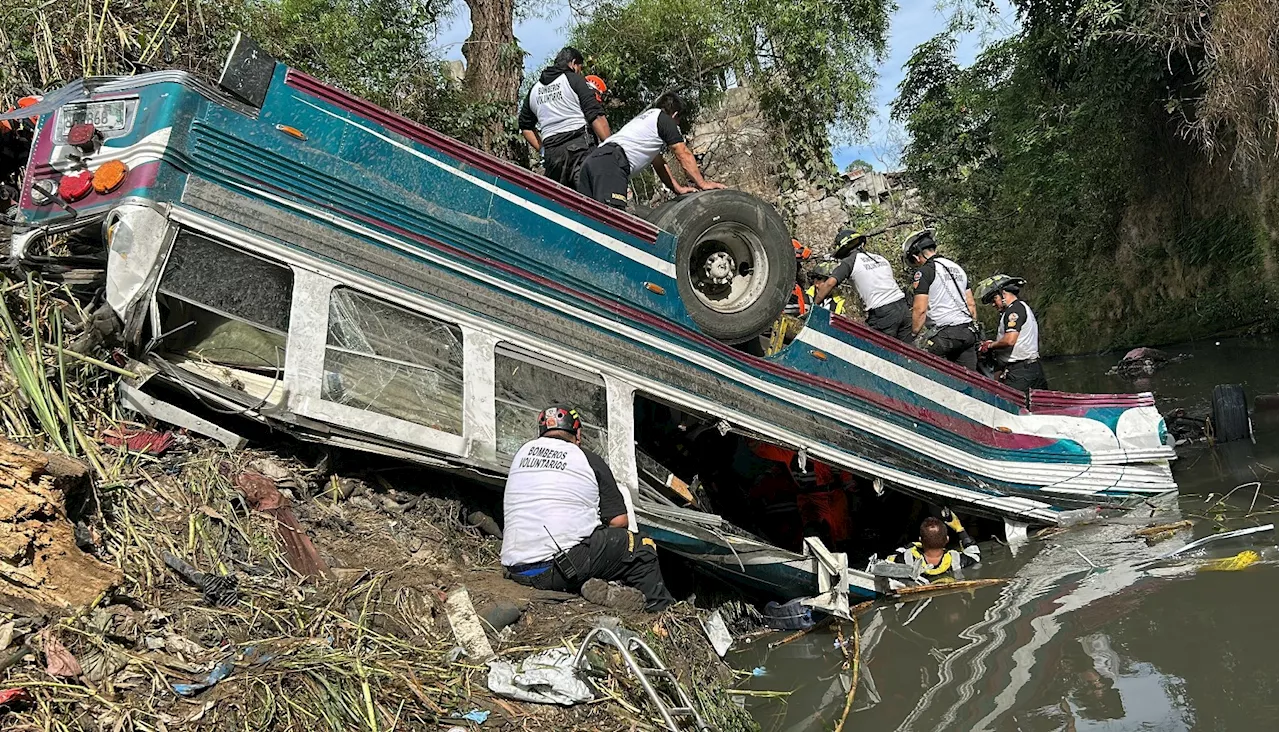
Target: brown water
<point x="1079" y="638"/>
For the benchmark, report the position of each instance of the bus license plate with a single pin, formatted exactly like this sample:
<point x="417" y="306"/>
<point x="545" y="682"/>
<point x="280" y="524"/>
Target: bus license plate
<point x="105" y="116"/>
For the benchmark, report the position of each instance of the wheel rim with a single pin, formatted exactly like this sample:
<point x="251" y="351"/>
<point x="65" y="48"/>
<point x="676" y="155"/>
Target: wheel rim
<point x="728" y="267"/>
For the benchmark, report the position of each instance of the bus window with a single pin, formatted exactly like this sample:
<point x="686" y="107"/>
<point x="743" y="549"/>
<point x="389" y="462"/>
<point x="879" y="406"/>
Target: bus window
<point x="527" y="384"/>
<point x="385" y="359"/>
<point x="223" y="306"/>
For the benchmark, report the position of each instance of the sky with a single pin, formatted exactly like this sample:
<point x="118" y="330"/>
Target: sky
<point x="914" y="22"/>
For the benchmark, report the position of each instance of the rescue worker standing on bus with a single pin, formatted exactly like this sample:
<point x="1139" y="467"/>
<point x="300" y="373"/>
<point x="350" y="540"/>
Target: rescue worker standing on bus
<point x="886" y="306"/>
<point x="607" y="170"/>
<point x="931" y="554"/>
<point x="943" y="316"/>
<point x="1018" y="347"/>
<point x="558" y="115"/>
<point x="566" y="522"/>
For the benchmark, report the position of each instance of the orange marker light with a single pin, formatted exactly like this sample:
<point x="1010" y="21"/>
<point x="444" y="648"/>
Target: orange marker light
<point x="656" y="289"/>
<point x="109" y="176"/>
<point x="292" y="131"/>
<point x="819" y="355"/>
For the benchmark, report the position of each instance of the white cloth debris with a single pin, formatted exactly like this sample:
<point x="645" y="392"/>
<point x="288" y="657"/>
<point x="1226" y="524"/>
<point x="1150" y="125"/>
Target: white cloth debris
<point x="544" y="678"/>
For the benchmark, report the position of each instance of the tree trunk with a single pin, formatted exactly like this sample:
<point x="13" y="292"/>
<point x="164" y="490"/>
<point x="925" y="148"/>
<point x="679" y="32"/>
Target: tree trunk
<point x="494" y="65"/>
<point x="41" y="568"/>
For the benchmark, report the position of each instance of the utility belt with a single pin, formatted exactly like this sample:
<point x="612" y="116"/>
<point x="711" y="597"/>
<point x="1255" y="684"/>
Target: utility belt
<point x="877" y="312"/>
<point x="562" y="138"/>
<point x="561" y="561"/>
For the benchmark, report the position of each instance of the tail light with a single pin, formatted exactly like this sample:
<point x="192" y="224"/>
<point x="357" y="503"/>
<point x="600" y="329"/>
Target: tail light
<point x="109" y="176"/>
<point x="75" y="186"/>
<point x="84" y="136"/>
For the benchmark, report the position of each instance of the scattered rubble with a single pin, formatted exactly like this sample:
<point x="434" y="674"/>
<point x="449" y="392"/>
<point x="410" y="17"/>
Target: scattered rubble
<point x="165" y="581"/>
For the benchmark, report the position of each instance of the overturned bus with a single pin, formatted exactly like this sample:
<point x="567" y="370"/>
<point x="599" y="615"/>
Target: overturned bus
<point x="281" y="250"/>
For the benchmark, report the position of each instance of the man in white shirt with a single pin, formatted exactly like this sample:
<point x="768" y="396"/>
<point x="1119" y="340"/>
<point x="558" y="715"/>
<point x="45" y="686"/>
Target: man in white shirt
<point x="882" y="297"/>
<point x="557" y="113"/>
<point x="942" y="312"/>
<point x="1018" y="347"/>
<point x="607" y="169"/>
<point x="565" y="523"/>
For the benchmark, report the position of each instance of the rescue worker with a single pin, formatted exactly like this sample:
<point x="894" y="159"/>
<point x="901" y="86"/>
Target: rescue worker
<point x="559" y="114"/>
<point x="566" y="522"/>
<point x="834" y="301"/>
<point x="1018" y="347"/>
<point x="882" y="297"/>
<point x="607" y="169"/>
<point x="797" y="304"/>
<point x="944" y="319"/>
<point x="931" y="553"/>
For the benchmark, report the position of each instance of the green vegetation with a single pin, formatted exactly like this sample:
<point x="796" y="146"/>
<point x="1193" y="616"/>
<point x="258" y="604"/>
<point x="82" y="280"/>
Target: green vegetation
<point x="378" y="49"/>
<point x="859" y="164"/>
<point x="1121" y="156"/>
<point x="811" y="63"/>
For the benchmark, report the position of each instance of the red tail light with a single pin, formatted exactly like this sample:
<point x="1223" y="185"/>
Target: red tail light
<point x="75" y="186"/>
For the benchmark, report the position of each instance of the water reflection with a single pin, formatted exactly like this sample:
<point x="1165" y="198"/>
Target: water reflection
<point x="1082" y="637"/>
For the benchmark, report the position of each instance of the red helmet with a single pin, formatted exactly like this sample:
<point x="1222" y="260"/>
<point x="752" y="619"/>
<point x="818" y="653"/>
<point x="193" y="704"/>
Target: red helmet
<point x="598" y="83"/>
<point x="557" y="417"/>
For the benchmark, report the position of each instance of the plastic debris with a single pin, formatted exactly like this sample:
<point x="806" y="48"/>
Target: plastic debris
<point x="58" y="660"/>
<point x="718" y="633"/>
<point x="220" y="671"/>
<point x="152" y="442"/>
<point x="1246" y="558"/>
<point x="544" y="678"/>
<point x="215" y="589"/>
<point x="479" y="716"/>
<point x="790" y="615"/>
<point x="467" y="629"/>
<point x="10" y="699"/>
<point x="758" y="671"/>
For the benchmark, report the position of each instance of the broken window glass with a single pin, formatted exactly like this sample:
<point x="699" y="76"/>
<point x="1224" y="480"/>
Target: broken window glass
<point x="226" y="280"/>
<point x="388" y="360"/>
<point x="523" y="389"/>
<point x="223" y="306"/>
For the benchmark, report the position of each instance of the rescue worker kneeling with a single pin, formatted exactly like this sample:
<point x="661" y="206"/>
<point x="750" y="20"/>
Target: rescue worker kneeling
<point x="566" y="522"/>
<point x="931" y="555"/>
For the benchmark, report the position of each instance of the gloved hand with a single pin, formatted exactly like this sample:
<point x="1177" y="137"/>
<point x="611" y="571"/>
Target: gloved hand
<point x="951" y="520"/>
<point x="984" y="346"/>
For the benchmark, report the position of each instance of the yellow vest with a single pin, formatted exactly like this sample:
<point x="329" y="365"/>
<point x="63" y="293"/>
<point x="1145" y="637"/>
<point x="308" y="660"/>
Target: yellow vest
<point x="836" y="300"/>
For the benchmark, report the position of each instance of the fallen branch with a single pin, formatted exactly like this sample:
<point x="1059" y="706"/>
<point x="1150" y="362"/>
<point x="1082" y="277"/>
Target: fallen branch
<point x="932" y="589"/>
<point x="856" y="654"/>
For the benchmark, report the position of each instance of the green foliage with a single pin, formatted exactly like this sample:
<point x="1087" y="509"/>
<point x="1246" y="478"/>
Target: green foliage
<point x="1057" y="156"/>
<point x="378" y="49"/>
<point x="810" y="62"/>
<point x="859" y="164"/>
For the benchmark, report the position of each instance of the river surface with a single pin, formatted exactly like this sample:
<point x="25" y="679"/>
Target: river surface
<point x="1079" y="638"/>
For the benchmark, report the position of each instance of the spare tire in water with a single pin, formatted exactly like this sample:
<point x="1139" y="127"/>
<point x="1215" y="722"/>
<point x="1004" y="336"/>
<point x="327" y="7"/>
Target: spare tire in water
<point x="1230" y="413"/>
<point x="734" y="262"/>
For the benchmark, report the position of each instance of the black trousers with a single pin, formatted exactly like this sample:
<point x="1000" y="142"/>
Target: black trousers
<point x="562" y="159"/>
<point x="893" y="320"/>
<point x="1025" y="375"/>
<point x="610" y="553"/>
<point x="956" y="343"/>
<point x="605" y="174"/>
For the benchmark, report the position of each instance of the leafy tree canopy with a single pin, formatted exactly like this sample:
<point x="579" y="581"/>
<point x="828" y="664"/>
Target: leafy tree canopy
<point x="810" y="62"/>
<point x="859" y="164"/>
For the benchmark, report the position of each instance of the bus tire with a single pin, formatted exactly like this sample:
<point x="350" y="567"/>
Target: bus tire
<point x="735" y="265"/>
<point x="1230" y="413"/>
